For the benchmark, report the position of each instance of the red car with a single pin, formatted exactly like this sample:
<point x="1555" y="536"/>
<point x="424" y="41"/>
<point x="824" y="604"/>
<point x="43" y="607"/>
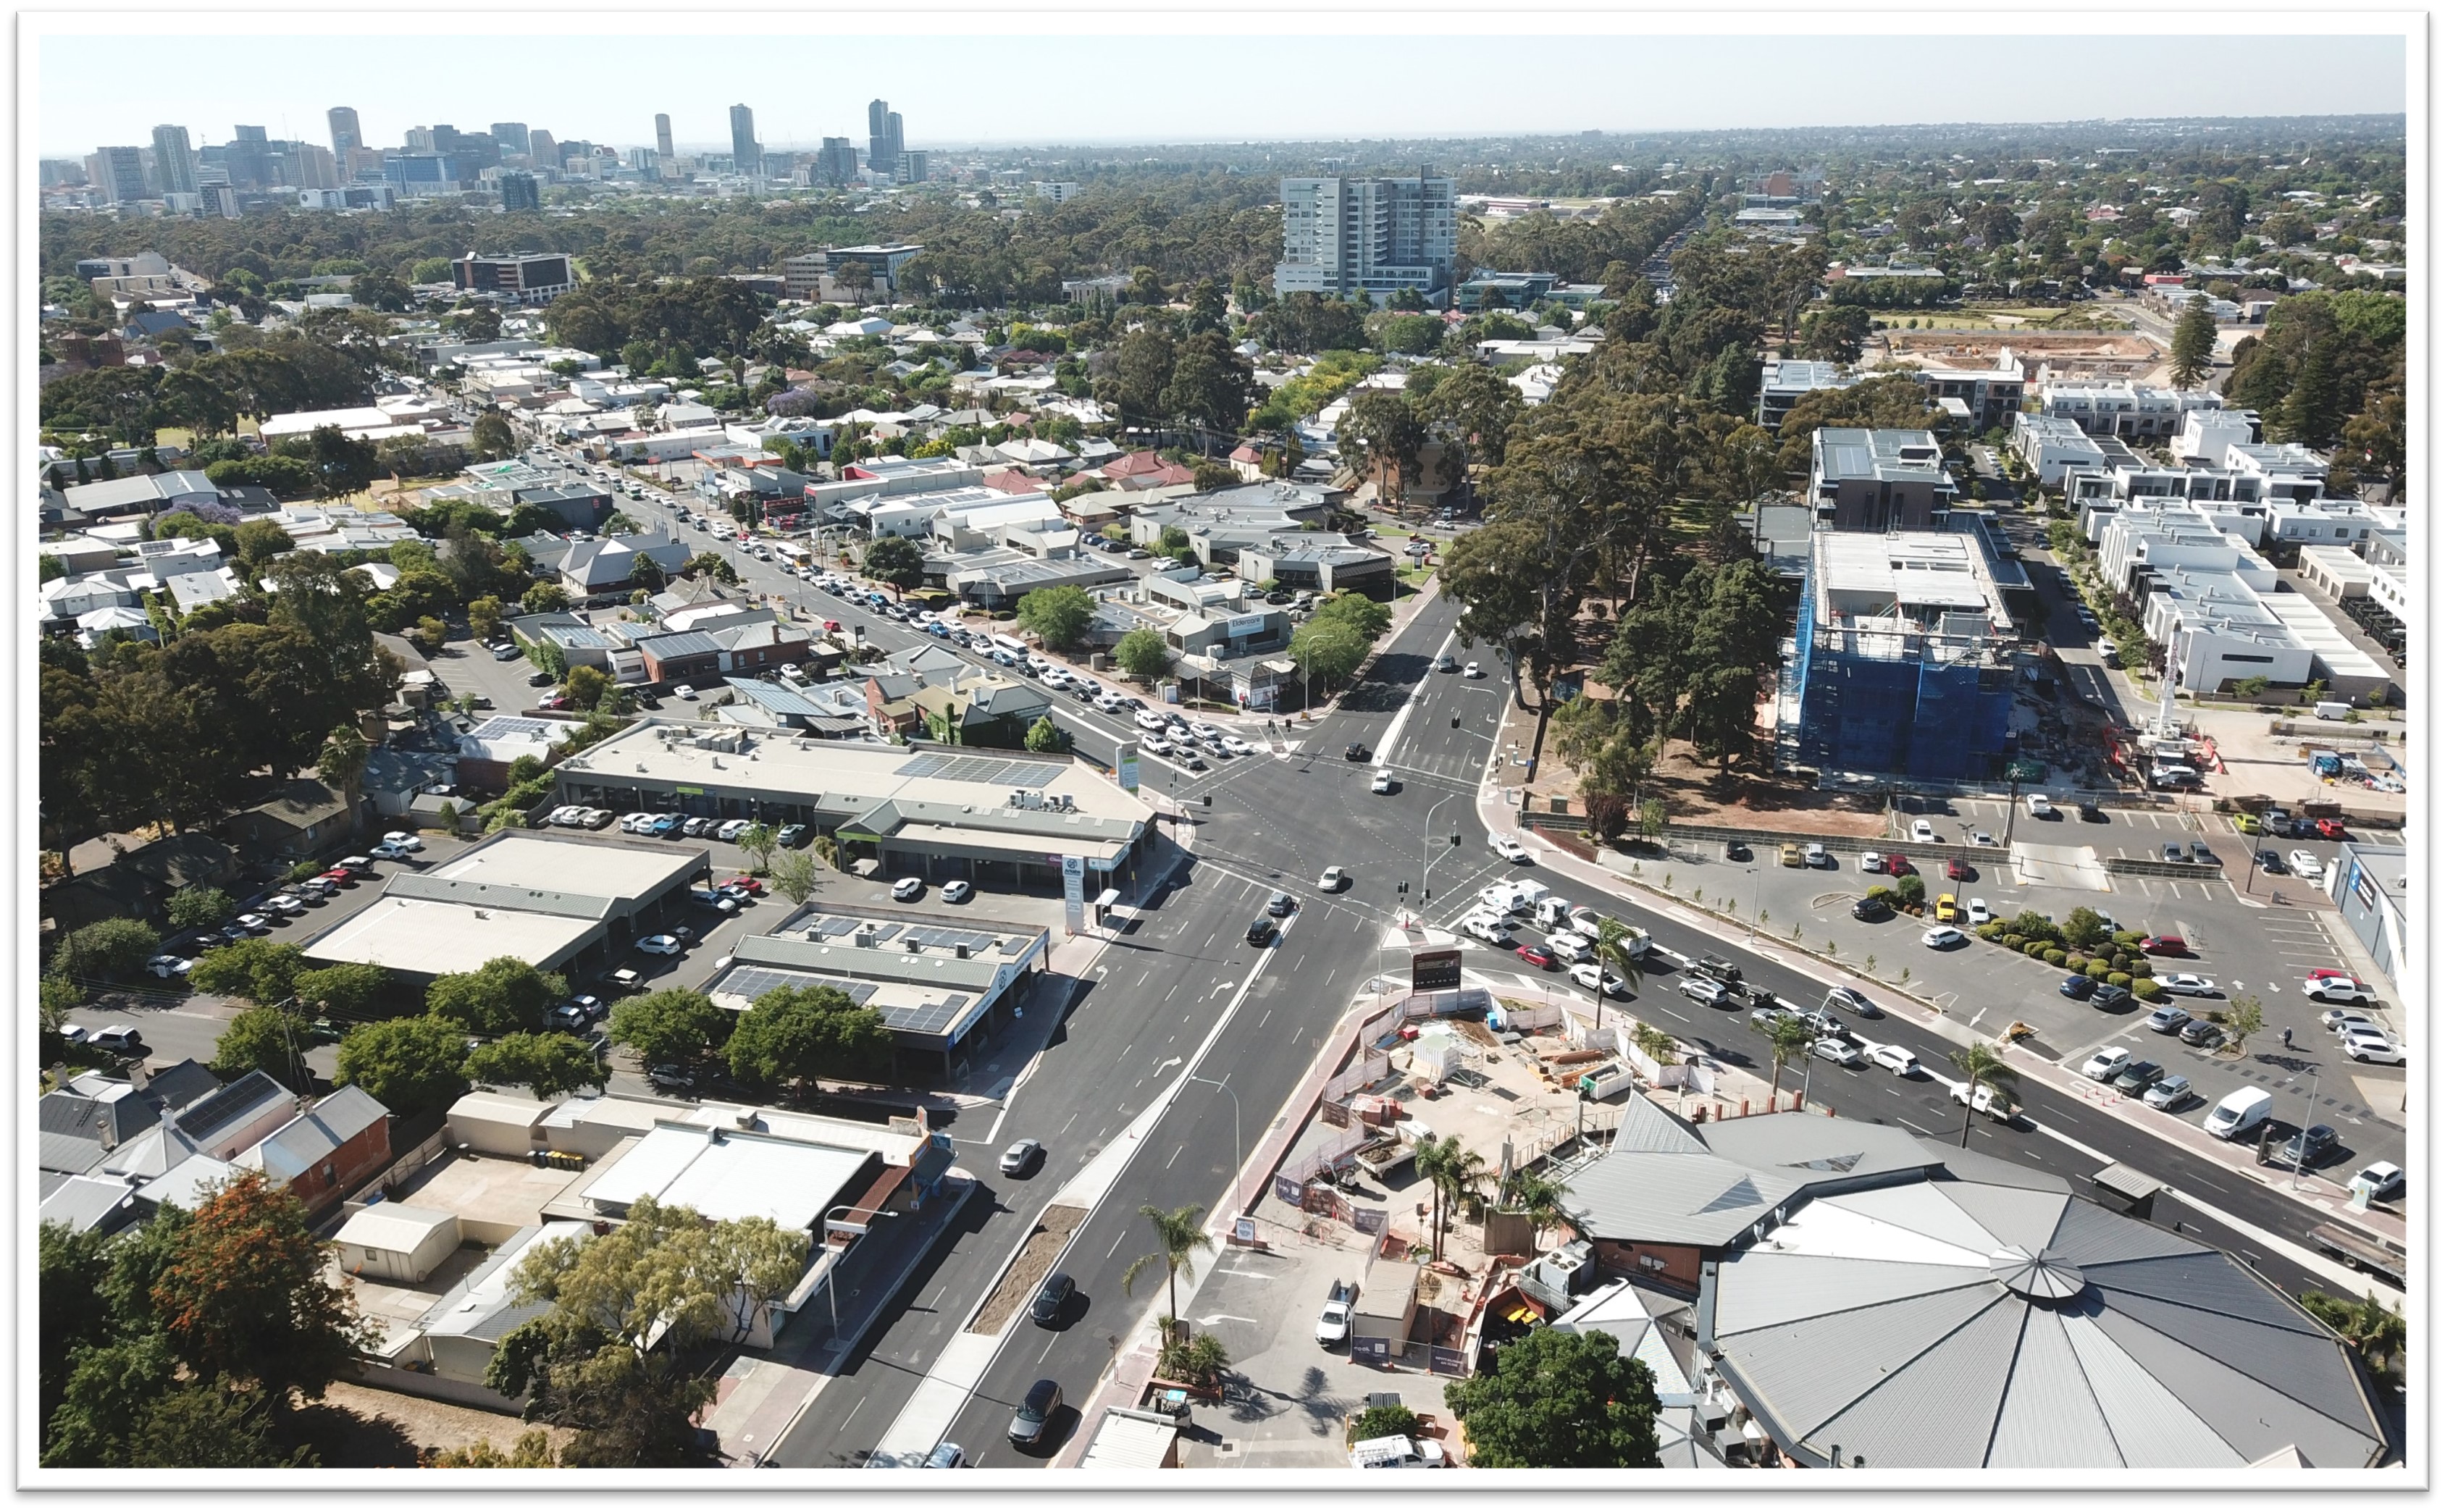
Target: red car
<point x="1957" y="869"/>
<point x="339" y="877"/>
<point x="749" y="885"/>
<point x="2165" y="945"/>
<point x="2331" y="829"/>
<point x="1537" y="955"/>
<point x="1897" y="866"/>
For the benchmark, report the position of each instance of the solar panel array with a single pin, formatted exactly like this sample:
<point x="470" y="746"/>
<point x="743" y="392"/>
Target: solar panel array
<point x="502" y="726"/>
<point x="825" y="928"/>
<point x="933" y="1016"/>
<point x="994" y="770"/>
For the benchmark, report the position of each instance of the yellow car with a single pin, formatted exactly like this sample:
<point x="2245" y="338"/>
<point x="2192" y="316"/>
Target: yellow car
<point x="2247" y="823"/>
<point x="1791" y="855"/>
<point x="1947" y="909"/>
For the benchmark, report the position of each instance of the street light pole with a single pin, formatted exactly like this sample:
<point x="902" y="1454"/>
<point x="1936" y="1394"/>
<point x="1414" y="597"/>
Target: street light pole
<point x="1238" y="1151"/>
<point x="832" y="1282"/>
<point x="2308" y="1115"/>
<point x="1426" y="843"/>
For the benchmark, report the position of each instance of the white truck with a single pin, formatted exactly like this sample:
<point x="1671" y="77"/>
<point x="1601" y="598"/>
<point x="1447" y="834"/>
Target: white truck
<point x="1995" y="1105"/>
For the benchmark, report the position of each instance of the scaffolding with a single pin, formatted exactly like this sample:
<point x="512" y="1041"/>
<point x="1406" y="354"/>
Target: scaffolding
<point x="1894" y="693"/>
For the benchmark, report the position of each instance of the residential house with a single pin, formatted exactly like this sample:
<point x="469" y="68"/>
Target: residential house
<point x="487" y="751"/>
<point x="118" y="622"/>
<point x="987" y="710"/>
<point x="302" y="820"/>
<point x="151" y="493"/>
<point x="600" y="568"/>
<point x="327" y="1151"/>
<point x="706" y="656"/>
<point x="78" y="1124"/>
<point x="218" y="1126"/>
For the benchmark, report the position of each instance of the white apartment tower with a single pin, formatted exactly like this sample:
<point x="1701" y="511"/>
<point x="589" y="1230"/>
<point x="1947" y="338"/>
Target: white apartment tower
<point x="1368" y="237"/>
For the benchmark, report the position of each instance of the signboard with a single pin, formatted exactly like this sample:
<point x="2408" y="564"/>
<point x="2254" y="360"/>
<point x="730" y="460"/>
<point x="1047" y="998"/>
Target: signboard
<point x="1125" y="765"/>
<point x="1369" y="1220"/>
<point x="690" y="793"/>
<point x="1240" y="626"/>
<point x="1289" y="1191"/>
<point x="1244" y="1231"/>
<point x="1371" y="1351"/>
<point x="1434" y="970"/>
<point x="1074" y="893"/>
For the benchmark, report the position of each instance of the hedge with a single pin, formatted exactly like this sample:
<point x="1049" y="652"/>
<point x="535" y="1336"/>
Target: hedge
<point x="2055" y="958"/>
<point x="2147" y="990"/>
<point x="2036" y="949"/>
<point x="2118" y="979"/>
<point x="2099" y="967"/>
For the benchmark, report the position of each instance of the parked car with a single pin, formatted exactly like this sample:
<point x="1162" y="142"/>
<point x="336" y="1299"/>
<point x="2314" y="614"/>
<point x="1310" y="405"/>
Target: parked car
<point x="2106" y="1064"/>
<point x="405" y="839"/>
<point x="908" y="889"/>
<point x="1957" y="869"/>
<point x="2311" y="1147"/>
<point x="2337" y="989"/>
<point x="2137" y="1077"/>
<point x="2188" y="984"/>
<point x="2374" y="1048"/>
<point x="1333" y="1323"/>
<point x="661" y="945"/>
<point x="2168" y="1019"/>
<point x="1943" y="936"/>
<point x="2384" y="1178"/>
<point x="2169" y="1093"/>
<point x="2110" y="998"/>
<point x="792" y="836"/>
<point x="169" y="965"/>
<point x="1922" y="832"/>
<point x="2165" y="945"/>
<point x="956" y="892"/>
<point x="1872" y="910"/>
<point x="2200" y="1034"/>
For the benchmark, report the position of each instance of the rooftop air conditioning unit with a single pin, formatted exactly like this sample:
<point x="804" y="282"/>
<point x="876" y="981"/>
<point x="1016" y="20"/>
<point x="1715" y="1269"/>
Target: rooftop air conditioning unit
<point x="864" y="938"/>
<point x="963" y="949"/>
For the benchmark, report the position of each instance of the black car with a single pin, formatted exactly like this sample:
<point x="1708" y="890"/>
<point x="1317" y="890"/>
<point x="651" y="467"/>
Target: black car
<point x="2111" y="998"/>
<point x="1260" y="932"/>
<point x="1052" y="1298"/>
<point x="2310" y="1146"/>
<point x="2199" y="1034"/>
<point x="2077" y="986"/>
<point x="2137" y="1077"/>
<point x="1717" y="968"/>
<point x="538" y="679"/>
<point x="1354" y="752"/>
<point x="1034" y="1415"/>
<point x="1871" y="910"/>
<point x="2270" y="863"/>
<point x="1734" y="851"/>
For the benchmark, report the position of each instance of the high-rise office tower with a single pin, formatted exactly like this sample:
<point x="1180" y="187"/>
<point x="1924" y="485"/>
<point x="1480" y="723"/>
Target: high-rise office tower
<point x="836" y="164"/>
<point x="542" y="150"/>
<point x="512" y="136"/>
<point x="420" y="139"/>
<point x="899" y="142"/>
<point x="912" y="168"/>
<point x="174" y="161"/>
<point x="250" y="157"/>
<point x="520" y="192"/>
<point x="883" y="141"/>
<point x="745" y="155"/>
<point x="663" y="137"/>
<point x="346" y="137"/>
<point x="1367" y="235"/>
<point x="310" y="165"/>
<point x="118" y="172"/>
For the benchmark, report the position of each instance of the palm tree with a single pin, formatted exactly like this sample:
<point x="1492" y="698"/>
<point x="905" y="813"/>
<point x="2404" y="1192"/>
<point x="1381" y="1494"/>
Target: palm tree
<point x="1181" y="1237"/>
<point x="1612" y="953"/>
<point x="1985" y="1066"/>
<point x="2369" y="1328"/>
<point x="1790" y="1039"/>
<point x="1658" y="1045"/>
<point x="1199" y="1361"/>
<point x="1449" y="1170"/>
<point x="1538" y="1197"/>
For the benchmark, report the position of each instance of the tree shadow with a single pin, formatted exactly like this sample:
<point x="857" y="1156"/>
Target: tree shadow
<point x="346" y="1440"/>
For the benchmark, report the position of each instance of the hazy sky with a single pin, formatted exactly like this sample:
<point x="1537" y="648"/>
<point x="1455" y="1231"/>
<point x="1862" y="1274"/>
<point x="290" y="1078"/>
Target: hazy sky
<point x="1082" y="86"/>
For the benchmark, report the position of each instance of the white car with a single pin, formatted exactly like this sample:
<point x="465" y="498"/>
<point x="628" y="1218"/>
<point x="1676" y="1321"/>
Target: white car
<point x="2188" y="984"/>
<point x="1333" y="880"/>
<point x="1980" y="838"/>
<point x="1472" y="670"/>
<point x="1943" y="936"/>
<point x="2337" y="989"/>
<point x="387" y="852"/>
<point x="908" y="889"/>
<point x="1508" y="847"/>
<point x="1568" y="945"/>
<point x="1152" y="722"/>
<point x="1977" y="912"/>
<point x="1871" y="861"/>
<point x="253" y="924"/>
<point x="732" y="829"/>
<point x="1235" y="745"/>
<point x="169" y="965"/>
<point x="1597" y="980"/>
<point x="1841" y="1052"/>
<point x="956" y="892"/>
<point x="2306" y="866"/>
<point x="1492" y="928"/>
<point x="661" y="945"/>
<point x="1893" y="1058"/>
<point x="1382" y="782"/>
<point x="406" y="840"/>
<point x="1922" y="832"/>
<point x="2374" y="1046"/>
<point x="685" y="692"/>
<point x="283" y="902"/>
<point x="1155" y="745"/>
<point x="2106" y="1064"/>
<point x="2352" y="1024"/>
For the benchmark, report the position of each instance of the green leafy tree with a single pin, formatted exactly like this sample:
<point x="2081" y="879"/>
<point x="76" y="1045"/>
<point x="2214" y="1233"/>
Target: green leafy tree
<point x="342" y="760"/>
<point x="1383" y="433"/>
<point x="759" y="840"/>
<point x="585" y="686"/>
<point x="547" y="1065"/>
<point x="1327" y="649"/>
<point x="2368" y="1328"/>
<point x="1387" y="1421"/>
<point x="533" y="1451"/>
<point x="1556" y="1400"/>
<point x="2193" y="344"/>
<point x="484" y="617"/>
<point x="896" y="561"/>
<point x="502" y="995"/>
<point x="106" y="948"/>
<point x="263" y="970"/>
<point x="799" y="1033"/>
<point x="347" y="990"/>
<point x="492" y="435"/>
<point x="270" y="1040"/>
<point x="1045" y="737"/>
<point x="1363" y="615"/>
<point x="1143" y="655"/>
<point x="544" y="598"/>
<point x="1180" y="1237"/>
<point x="244" y="1297"/>
<point x="408" y="1065"/>
<point x="2244" y="1018"/>
<point x="1056" y="616"/>
<point x="201" y="908"/>
<point x="675" y="1026"/>
<point x="794" y="875"/>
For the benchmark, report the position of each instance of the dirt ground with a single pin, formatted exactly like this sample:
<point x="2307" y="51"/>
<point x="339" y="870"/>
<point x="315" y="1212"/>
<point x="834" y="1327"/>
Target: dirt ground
<point x="1695" y="792"/>
<point x="358" y="1428"/>
<point x="1027" y="1272"/>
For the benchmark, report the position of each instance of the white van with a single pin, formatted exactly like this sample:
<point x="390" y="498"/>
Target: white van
<point x="2239" y="1114"/>
<point x="1397" y="1452"/>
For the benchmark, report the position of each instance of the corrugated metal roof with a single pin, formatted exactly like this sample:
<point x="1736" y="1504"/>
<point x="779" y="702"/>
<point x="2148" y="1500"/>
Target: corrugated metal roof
<point x="2158" y="1432"/>
<point x="2050" y="1419"/>
<point x="1805" y="1372"/>
<point x="2026" y="1219"/>
<point x="1665" y="1199"/>
<point x="1831" y="1145"/>
<point x="2088" y="1236"/>
<point x="1787" y="1287"/>
<point x="1920" y="1211"/>
<point x="2202" y="1283"/>
<point x="2243" y="1408"/>
<point x="1940" y="1411"/>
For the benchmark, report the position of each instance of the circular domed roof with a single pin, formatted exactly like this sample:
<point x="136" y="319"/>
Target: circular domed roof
<point x="2042" y="1277"/>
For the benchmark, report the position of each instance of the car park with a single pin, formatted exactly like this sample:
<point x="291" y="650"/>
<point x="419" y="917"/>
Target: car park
<point x="2339" y="1020"/>
<point x="1957" y="869"/>
<point x="2077" y="987"/>
<point x="2169" y="1093"/>
<point x="1790" y="855"/>
<point x="1981" y="838"/>
<point x="2168" y="1019"/>
<point x="1943" y="936"/>
<point x="908" y="889"/>
<point x="1569" y="947"/>
<point x="2271" y="864"/>
<point x="287" y="905"/>
<point x="714" y="899"/>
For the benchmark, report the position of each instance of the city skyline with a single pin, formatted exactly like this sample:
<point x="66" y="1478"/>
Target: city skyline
<point x="1682" y="88"/>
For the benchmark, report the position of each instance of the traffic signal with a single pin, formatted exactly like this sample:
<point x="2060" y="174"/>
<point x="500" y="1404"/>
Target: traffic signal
<point x="1455" y="721"/>
<point x="1455" y="839"/>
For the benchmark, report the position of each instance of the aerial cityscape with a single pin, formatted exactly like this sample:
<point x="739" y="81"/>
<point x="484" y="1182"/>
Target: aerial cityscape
<point x="1666" y="799"/>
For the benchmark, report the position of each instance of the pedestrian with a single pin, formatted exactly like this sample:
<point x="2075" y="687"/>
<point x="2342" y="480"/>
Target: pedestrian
<point x="2288" y="1039"/>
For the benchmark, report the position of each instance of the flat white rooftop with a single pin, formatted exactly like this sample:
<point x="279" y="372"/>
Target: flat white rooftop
<point x="535" y="860"/>
<point x="436" y="939"/>
<point x="727" y="1175"/>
